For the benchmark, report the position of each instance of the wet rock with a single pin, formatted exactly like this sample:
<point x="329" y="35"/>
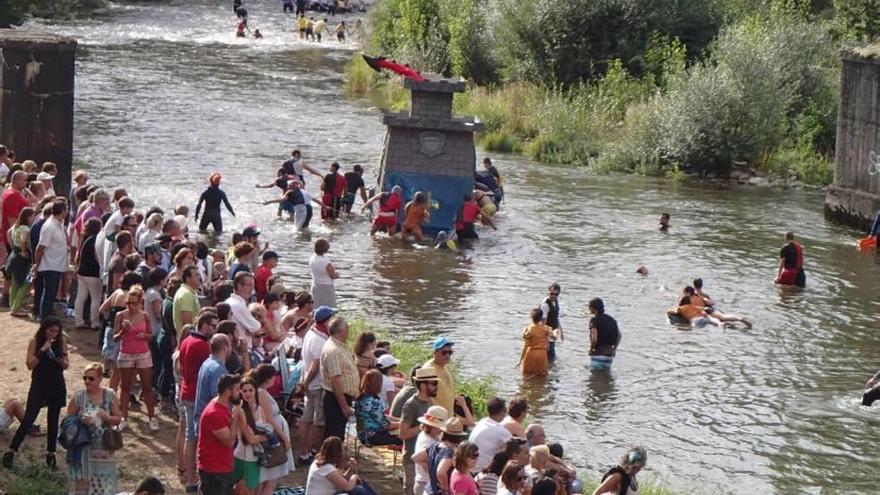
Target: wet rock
<point x="759" y="181"/>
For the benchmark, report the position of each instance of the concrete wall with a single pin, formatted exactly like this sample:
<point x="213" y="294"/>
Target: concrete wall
<point x="854" y="196"/>
<point x="36" y="99"/>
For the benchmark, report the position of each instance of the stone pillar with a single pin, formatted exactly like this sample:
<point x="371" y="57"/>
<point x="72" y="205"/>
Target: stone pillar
<point x="854" y="197"/>
<point x="431" y="151"/>
<point x="36" y="99"/>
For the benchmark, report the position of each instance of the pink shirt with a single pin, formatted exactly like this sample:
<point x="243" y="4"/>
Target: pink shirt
<point x="130" y="342"/>
<point x="462" y="483"/>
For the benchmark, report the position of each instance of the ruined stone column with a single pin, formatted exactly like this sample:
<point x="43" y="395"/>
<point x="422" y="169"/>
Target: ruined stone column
<point x="36" y="99"/>
<point x="854" y="197"/>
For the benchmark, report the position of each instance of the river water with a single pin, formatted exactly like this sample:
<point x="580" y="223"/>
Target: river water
<point x="165" y="95"/>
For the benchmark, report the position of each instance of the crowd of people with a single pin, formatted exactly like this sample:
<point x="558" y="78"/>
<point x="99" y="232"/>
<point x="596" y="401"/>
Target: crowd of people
<point x="308" y="28"/>
<point x="258" y="378"/>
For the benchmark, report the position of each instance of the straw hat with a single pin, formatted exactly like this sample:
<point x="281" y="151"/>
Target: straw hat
<point x="426" y="375"/>
<point x="453" y="426"/>
<point x="435" y="416"/>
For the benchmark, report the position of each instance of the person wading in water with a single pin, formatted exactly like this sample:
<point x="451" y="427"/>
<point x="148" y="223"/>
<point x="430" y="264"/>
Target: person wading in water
<point x="550" y="308"/>
<point x="791" y="263"/>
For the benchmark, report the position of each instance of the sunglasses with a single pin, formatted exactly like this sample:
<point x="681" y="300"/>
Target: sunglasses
<point x="446" y="353"/>
<point x="88" y="378"/>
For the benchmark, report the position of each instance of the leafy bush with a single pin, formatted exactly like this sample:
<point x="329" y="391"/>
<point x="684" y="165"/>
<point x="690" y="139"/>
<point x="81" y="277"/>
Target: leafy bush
<point x="33" y="478"/>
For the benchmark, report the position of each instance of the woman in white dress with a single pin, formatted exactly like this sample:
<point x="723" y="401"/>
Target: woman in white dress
<point x="323" y="275"/>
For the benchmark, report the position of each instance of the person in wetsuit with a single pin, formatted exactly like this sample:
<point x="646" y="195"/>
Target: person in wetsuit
<point x="791" y="263"/>
<point x="354" y="183"/>
<point x="212" y="197"/>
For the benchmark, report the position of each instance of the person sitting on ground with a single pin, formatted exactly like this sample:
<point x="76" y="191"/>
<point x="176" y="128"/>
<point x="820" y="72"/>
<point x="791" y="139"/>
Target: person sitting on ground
<point x="147" y="486"/>
<point x="13" y="410"/>
<point x="415" y="213"/>
<point x="622" y="478"/>
<point x="325" y="476"/>
<point x="699" y="297"/>
<point x="489" y="435"/>
<point x="389" y="210"/>
<point x="373" y="427"/>
<point x="516" y="414"/>
<point x="664" y="222"/>
<point x="536" y="338"/>
<point x="791" y="263"/>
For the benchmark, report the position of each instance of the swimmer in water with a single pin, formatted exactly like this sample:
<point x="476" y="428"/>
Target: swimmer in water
<point x="700" y="298"/>
<point x="340" y="32"/>
<point x="257" y="34"/>
<point x="664" y="222"/>
<point x="415" y="213"/>
<point x="694" y="314"/>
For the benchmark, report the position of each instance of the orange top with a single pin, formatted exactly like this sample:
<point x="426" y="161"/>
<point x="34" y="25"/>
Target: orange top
<point x="415" y="214"/>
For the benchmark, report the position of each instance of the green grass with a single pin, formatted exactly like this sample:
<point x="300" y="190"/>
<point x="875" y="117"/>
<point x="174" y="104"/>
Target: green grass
<point x="647" y="486"/>
<point x="31" y="477"/>
<point x="412" y="353"/>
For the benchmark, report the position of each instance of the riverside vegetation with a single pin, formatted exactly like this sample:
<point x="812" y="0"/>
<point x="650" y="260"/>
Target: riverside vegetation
<point x="653" y="87"/>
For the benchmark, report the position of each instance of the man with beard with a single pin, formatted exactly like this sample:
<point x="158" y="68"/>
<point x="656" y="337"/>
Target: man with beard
<point x="427" y="382"/>
<point x="217" y="435"/>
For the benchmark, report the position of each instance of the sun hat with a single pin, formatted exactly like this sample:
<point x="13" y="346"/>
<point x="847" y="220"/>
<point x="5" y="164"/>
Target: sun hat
<point x="387" y="361"/>
<point x="441" y="343"/>
<point x="425" y="375"/>
<point x="324" y="313"/>
<point x="435" y="416"/>
<point x="45" y="176"/>
<point x="453" y="426"/>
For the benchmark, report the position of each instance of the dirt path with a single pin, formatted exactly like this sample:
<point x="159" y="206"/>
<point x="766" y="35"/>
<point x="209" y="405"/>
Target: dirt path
<point x="145" y="453"/>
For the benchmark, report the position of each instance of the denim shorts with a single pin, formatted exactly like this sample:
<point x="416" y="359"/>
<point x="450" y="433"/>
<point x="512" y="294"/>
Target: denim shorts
<point x="189" y="411"/>
<point x="601" y="362"/>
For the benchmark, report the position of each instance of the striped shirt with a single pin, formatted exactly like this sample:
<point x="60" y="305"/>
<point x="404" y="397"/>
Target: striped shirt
<point x="337" y="360"/>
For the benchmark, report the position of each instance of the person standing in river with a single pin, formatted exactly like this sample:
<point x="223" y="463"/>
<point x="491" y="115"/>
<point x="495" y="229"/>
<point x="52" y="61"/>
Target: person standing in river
<point x="791" y="263"/>
<point x="333" y="188"/>
<point x="604" y="336"/>
<point x="550" y="309"/>
<point x="212" y="197"/>
<point x="354" y="183"/>
<point x="296" y="167"/>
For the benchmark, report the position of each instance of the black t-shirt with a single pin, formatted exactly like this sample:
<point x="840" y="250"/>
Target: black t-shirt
<point x="294" y="197"/>
<point x="353" y="182"/>
<point x="88" y="259"/>
<point x="329" y="184"/>
<point x="789" y="254"/>
<point x="281" y="183"/>
<point x="607" y="333"/>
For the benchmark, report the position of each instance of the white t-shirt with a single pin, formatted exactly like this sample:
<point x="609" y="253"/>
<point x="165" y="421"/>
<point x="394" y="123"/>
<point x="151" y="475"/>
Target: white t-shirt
<point x="423" y="442"/>
<point x="311" y="352"/>
<point x="317" y="482"/>
<point x="490" y="437"/>
<point x="54" y="240"/>
<point x="387" y="386"/>
<point x="318" y="266"/>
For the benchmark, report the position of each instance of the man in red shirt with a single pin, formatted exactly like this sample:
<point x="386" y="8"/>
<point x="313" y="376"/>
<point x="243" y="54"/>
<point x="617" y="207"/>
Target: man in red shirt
<point x="468" y="214"/>
<point x="11" y="204"/>
<point x="263" y="273"/>
<point x="217" y="436"/>
<point x="389" y="210"/>
<point x="194" y="350"/>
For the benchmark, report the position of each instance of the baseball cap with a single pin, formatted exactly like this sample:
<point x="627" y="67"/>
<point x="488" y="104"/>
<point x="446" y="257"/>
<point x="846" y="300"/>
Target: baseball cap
<point x="323" y="313"/>
<point x="152" y="248"/>
<point x="387" y="361"/>
<point x="441" y="343"/>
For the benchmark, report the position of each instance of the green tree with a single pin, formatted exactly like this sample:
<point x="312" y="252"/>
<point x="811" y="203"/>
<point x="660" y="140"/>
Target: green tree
<point x="858" y="18"/>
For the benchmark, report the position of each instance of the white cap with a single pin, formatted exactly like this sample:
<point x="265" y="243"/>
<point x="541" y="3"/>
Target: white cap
<point x="45" y="176"/>
<point x="387" y="361"/>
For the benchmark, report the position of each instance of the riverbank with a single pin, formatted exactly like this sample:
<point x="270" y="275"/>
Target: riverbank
<point x="144" y="453"/>
<point x="14" y="12"/>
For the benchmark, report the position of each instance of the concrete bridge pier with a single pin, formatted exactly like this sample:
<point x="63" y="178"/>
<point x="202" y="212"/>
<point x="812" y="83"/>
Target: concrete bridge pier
<point x="36" y="99"/>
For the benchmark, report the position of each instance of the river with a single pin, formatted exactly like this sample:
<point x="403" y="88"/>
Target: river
<point x="165" y="95"/>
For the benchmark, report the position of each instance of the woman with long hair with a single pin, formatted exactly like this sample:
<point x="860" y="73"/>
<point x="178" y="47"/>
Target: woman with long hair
<point x="364" y="353"/>
<point x="536" y="339"/>
<point x="18" y="264"/>
<point x="247" y="415"/>
<point x="461" y="482"/>
<point x="94" y="472"/>
<point x="88" y="277"/>
<point x="488" y="478"/>
<point x="264" y="377"/>
<point x="513" y="479"/>
<point x="47" y="360"/>
<point x="113" y="305"/>
<point x="326" y="476"/>
<point x="372" y="425"/>
<point x="131" y="328"/>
